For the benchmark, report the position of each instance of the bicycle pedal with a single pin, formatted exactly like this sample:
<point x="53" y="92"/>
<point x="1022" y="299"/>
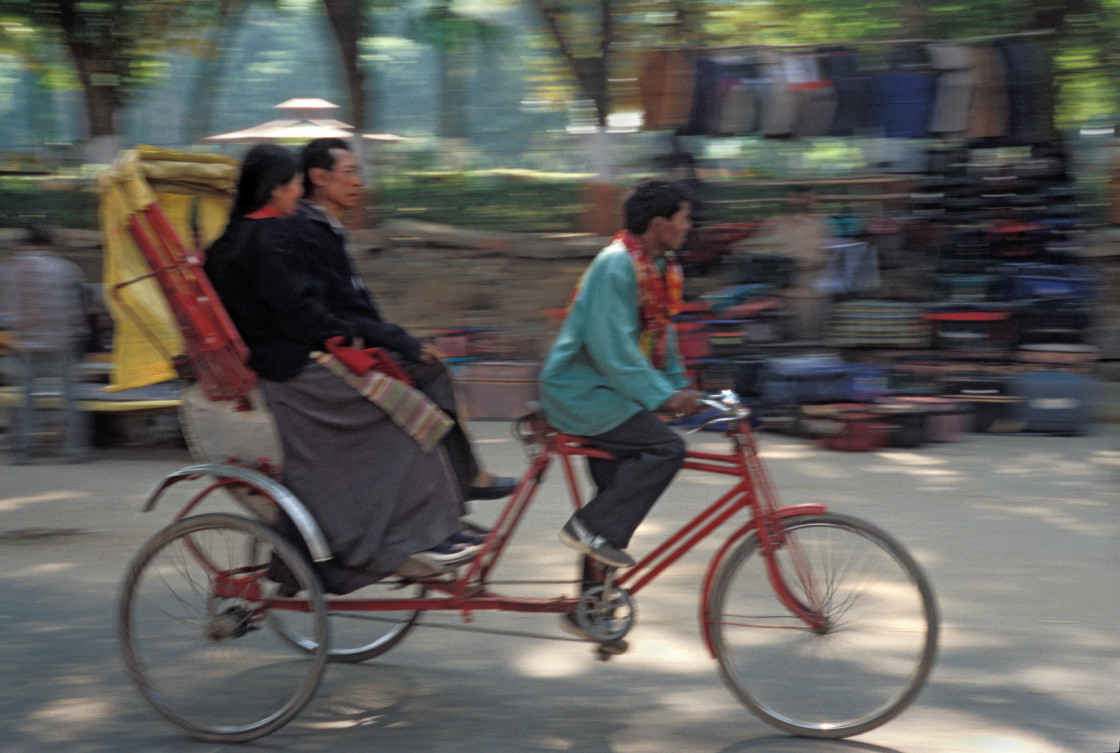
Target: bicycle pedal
<point x="606" y="651"/>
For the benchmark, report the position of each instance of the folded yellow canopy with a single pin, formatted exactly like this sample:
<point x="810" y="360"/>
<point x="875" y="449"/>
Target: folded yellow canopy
<point x="194" y="192"/>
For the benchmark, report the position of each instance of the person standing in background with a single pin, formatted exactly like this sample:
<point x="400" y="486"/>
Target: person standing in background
<point x="41" y="299"/>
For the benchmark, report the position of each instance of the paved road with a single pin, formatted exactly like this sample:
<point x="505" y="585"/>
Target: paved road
<point x="1018" y="535"/>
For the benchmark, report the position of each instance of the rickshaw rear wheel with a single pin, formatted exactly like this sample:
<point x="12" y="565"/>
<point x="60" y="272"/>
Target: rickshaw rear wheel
<point x="191" y="616"/>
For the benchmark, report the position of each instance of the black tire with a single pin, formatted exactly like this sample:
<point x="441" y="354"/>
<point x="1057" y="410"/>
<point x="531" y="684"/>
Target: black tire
<point x="859" y="671"/>
<point x="197" y="649"/>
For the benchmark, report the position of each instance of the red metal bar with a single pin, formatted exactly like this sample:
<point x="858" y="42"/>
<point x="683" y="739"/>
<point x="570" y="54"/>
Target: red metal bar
<point x="572" y="481"/>
<point x="715" y="515"/>
<point x="722" y="470"/>
<point x="506" y="524"/>
<point x="213" y="349"/>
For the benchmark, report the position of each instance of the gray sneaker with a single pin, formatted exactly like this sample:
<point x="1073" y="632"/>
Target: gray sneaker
<point x="576" y="535"/>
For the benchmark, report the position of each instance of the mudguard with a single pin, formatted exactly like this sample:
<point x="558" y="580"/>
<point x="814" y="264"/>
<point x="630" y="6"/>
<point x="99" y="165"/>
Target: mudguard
<point x="258" y="482"/>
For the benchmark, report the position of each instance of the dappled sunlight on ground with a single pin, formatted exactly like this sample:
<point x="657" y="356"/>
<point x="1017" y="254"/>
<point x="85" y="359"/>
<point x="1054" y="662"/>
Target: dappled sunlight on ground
<point x="659" y="650"/>
<point x="552" y="660"/>
<point x="68" y="719"/>
<point x="52" y="568"/>
<point x="1048" y="514"/>
<point x="10" y="504"/>
<point x="1105" y="458"/>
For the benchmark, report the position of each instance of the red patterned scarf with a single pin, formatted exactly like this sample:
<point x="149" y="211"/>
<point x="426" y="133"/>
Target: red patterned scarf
<point x="659" y="297"/>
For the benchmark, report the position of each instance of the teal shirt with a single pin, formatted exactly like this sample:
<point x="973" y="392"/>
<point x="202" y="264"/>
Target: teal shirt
<point x="596" y="375"/>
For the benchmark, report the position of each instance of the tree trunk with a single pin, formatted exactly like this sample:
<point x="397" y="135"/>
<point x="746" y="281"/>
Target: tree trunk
<point x="591" y="73"/>
<point x="346" y="22"/>
<point x="101" y="87"/>
<point x="452" y="81"/>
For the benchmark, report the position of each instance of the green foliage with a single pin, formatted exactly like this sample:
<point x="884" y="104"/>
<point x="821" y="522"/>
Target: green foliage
<point x="509" y="201"/>
<point x="54" y="202"/>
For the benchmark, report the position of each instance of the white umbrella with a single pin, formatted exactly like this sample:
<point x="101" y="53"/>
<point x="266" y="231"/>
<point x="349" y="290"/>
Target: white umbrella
<point x="287" y="130"/>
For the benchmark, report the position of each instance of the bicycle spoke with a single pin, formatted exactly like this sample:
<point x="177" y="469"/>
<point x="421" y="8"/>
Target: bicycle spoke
<point x="190" y="616"/>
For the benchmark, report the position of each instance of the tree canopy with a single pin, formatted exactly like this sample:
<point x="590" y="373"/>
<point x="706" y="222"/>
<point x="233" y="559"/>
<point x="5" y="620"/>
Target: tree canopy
<point x="587" y="50"/>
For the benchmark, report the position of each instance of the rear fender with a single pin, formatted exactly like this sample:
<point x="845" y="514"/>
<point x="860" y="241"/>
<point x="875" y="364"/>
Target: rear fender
<point x="257" y="482"/>
<point x="734" y="539"/>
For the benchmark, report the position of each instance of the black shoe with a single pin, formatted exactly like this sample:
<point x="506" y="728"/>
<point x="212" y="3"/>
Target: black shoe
<point x="576" y="535"/>
<point x="570" y="625"/>
<point x="287" y="590"/>
<point x="500" y="486"/>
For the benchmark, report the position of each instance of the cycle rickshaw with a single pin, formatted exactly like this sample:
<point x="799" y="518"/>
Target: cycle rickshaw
<point x="821" y="624"/>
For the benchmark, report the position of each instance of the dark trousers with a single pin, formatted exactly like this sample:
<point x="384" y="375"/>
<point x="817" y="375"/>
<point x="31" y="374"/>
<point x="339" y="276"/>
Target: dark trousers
<point x="434" y="380"/>
<point x="647" y="455"/>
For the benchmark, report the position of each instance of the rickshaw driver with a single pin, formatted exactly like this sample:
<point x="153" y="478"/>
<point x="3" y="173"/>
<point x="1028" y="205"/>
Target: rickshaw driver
<point x="615" y="362"/>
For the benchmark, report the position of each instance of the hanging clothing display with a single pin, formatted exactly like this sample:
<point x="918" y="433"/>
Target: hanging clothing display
<point x="665" y="88"/>
<point x="853" y="91"/>
<point x="955" y="82"/>
<point x="996" y="93"/>
<point x="903" y="95"/>
<point x="987" y="117"/>
<point x="779" y="103"/>
<point x="814" y="95"/>
<point x="1028" y="87"/>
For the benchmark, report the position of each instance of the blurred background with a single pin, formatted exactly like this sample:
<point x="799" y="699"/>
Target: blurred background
<point x="472" y="95"/>
<point x="883" y="182"/>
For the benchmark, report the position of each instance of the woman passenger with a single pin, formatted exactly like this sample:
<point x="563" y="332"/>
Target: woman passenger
<point x="384" y="502"/>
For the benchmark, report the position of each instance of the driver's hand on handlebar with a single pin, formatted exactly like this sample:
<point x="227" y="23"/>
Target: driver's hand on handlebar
<point x="683" y="403"/>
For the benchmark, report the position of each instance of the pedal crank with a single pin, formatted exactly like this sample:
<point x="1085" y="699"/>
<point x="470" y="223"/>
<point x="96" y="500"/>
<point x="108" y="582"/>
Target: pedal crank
<point x="606" y="613"/>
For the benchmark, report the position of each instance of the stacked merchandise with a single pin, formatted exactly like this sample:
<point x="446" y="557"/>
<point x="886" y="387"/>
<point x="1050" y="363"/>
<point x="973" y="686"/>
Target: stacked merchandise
<point x="464" y="344"/>
<point x="1014" y="290"/>
<point x="1002" y="396"/>
<point x="720" y="334"/>
<point x="868" y="323"/>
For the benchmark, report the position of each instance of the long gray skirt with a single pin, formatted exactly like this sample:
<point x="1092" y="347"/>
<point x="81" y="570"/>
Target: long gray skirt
<point x="376" y="495"/>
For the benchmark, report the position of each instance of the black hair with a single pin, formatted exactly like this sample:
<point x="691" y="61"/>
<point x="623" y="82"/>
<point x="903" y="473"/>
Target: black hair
<point x="317" y="153"/>
<point x="265" y="167"/>
<point x="653" y="197"/>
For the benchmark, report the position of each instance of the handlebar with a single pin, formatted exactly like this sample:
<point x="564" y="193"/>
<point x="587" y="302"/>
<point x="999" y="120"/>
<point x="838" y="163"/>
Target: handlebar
<point x="729" y="406"/>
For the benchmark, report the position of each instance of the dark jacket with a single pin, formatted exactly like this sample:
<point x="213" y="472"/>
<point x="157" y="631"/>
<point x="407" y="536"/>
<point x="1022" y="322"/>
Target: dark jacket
<point x="288" y="285"/>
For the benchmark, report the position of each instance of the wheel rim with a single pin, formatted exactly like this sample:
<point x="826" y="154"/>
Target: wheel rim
<point x="193" y="635"/>
<point x="868" y="661"/>
<point x="355" y="635"/>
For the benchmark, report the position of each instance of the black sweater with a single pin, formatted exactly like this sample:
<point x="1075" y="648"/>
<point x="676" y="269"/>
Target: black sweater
<point x="288" y="285"/>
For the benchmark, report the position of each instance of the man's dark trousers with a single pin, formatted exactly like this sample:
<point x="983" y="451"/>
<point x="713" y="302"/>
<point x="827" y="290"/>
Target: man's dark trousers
<point x="434" y="380"/>
<point x="647" y="455"/>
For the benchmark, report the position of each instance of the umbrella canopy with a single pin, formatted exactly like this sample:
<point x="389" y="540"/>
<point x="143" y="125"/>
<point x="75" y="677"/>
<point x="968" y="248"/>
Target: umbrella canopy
<point x="306" y="103"/>
<point x="304" y="126"/>
<point x="282" y="130"/>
